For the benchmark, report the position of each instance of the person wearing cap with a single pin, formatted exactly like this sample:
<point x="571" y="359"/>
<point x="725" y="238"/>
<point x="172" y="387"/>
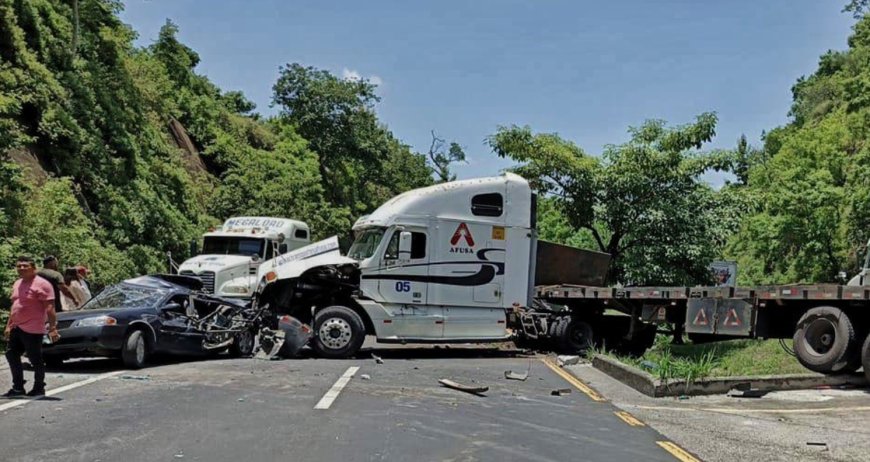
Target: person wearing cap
<point x="32" y="305"/>
<point x="49" y="272"/>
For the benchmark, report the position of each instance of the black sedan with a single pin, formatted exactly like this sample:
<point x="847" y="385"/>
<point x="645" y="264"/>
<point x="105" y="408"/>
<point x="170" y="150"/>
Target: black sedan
<point x="153" y="314"/>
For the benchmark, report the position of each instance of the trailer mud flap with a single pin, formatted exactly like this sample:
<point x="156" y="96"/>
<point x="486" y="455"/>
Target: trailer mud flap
<point x="720" y="316"/>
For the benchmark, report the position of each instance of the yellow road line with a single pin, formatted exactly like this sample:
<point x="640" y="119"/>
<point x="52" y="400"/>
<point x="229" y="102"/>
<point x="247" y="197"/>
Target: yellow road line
<point x="592" y="394"/>
<point x="678" y="452"/>
<point x="629" y="419"/>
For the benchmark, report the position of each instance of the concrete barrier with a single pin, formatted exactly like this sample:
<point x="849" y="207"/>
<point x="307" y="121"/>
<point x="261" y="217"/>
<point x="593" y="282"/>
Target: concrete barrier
<point x="649" y="385"/>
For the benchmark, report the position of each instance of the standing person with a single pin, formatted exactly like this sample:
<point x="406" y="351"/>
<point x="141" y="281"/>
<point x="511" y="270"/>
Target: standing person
<point x="32" y="304"/>
<point x="83" y="275"/>
<point x="74" y="302"/>
<point x="49" y="272"/>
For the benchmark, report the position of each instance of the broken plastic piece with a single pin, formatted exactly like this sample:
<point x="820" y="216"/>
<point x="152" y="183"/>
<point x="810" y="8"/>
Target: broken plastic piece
<point x="466" y="388"/>
<point x="561" y="392"/>
<point x="564" y="360"/>
<point x="365" y="377"/>
<point x="511" y="375"/>
<point x="377" y="359"/>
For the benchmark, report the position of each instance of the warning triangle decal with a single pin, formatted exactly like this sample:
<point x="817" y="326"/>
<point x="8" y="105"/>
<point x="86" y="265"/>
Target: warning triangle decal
<point x="700" y="318"/>
<point x="732" y="320"/>
<point x="462" y="232"/>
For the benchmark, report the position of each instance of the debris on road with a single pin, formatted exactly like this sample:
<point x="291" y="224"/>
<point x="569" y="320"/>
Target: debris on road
<point x="566" y="360"/>
<point x="271" y="342"/>
<point x="365" y="377"/>
<point x="819" y="445"/>
<point x="747" y="393"/>
<point x="135" y="377"/>
<point x="561" y="392"/>
<point x="377" y="359"/>
<point x="466" y="388"/>
<point x="511" y="375"/>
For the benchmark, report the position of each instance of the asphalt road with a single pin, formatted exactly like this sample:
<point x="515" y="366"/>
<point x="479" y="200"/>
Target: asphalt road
<point x="252" y="410"/>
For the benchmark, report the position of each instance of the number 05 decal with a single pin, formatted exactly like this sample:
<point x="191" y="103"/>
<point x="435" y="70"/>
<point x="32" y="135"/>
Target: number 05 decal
<point x="403" y="286"/>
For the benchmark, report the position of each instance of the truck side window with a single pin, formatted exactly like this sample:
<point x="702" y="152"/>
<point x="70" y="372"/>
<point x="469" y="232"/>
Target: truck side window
<point x="301" y="234"/>
<point x="392" y="252"/>
<point x="418" y="246"/>
<point x="487" y="205"/>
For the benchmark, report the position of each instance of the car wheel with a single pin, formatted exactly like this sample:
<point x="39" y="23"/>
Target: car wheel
<point x="338" y="332"/>
<point x="134" y="352"/>
<point x="243" y="344"/>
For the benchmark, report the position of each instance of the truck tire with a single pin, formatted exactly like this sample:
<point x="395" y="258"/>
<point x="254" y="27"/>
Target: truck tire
<point x="865" y="357"/>
<point x="644" y="338"/>
<point x="574" y="336"/>
<point x="338" y="332"/>
<point x="824" y="340"/>
<point x="134" y="351"/>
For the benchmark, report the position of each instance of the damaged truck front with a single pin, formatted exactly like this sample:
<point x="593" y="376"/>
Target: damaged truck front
<point x="313" y="286"/>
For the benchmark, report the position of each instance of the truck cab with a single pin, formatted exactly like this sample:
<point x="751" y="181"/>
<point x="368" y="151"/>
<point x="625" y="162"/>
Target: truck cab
<point x="234" y="255"/>
<point x="444" y="263"/>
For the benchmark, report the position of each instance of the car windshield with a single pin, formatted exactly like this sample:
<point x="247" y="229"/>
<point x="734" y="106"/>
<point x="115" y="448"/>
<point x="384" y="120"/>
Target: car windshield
<point x="365" y="244"/>
<point x="125" y="296"/>
<point x="231" y="245"/>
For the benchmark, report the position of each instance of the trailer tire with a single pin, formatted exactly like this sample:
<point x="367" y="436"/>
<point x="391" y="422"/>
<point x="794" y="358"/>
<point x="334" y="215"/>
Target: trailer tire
<point x="865" y="357"/>
<point x="339" y="332"/>
<point x="824" y="340"/>
<point x="574" y="336"/>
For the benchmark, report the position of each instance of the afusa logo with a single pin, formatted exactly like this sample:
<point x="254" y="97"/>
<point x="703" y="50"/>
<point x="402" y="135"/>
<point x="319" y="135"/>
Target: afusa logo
<point x="462" y="232"/>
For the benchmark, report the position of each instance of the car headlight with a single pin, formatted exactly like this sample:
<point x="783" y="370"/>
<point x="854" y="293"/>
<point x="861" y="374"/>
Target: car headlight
<point x="95" y="321"/>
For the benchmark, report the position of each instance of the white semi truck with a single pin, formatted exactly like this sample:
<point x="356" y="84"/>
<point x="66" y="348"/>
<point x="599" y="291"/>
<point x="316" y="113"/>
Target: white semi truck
<point x="455" y="262"/>
<point x="461" y="262"/>
<point x="235" y="256"/>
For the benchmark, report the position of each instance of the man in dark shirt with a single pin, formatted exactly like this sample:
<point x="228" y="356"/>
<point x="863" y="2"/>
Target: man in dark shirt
<point x="49" y="272"/>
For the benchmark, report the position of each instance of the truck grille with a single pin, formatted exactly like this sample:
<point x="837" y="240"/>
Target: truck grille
<point x="207" y="278"/>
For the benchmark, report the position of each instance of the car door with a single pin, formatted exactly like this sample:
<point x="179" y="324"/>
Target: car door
<point x="177" y="333"/>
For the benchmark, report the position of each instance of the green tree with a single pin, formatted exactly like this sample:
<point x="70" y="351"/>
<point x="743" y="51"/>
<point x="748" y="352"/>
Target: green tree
<point x="441" y="158"/>
<point x="643" y="202"/>
<point x="361" y="163"/>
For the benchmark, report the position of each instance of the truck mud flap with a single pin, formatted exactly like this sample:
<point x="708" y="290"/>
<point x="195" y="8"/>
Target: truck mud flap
<point x="732" y="317"/>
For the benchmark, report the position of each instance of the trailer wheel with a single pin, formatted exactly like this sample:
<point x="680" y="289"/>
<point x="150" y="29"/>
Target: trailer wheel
<point x="824" y="339"/>
<point x="574" y="336"/>
<point x="865" y="357"/>
<point x="338" y="332"/>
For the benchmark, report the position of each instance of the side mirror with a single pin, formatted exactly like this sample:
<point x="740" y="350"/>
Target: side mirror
<point x="173" y="306"/>
<point x="282" y="249"/>
<point x="194" y="247"/>
<point x="405" y="245"/>
<point x="255" y="257"/>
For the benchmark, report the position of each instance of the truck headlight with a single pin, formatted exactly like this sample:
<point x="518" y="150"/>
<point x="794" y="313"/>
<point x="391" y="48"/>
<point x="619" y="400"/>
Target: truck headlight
<point x="235" y="289"/>
<point x="95" y="321"/>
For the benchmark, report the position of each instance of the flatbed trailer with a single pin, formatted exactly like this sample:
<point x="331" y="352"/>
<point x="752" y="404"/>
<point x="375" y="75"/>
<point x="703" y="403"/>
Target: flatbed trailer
<point x="827" y="322"/>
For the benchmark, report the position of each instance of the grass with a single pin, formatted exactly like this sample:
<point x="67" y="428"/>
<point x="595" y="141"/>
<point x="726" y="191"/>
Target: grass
<point x="721" y="359"/>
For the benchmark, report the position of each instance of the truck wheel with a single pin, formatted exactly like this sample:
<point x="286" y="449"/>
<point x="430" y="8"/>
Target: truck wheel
<point x="243" y="344"/>
<point x="338" y="332"/>
<point x="865" y="357"/>
<point x="643" y="339"/>
<point x="574" y="336"/>
<point x="134" y="352"/>
<point x="824" y="339"/>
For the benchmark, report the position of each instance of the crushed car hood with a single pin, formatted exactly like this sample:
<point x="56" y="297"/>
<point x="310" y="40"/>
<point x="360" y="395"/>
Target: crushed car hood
<point x="322" y="253"/>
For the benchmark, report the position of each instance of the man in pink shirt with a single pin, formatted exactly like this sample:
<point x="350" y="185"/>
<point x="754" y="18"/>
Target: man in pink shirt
<point x="32" y="304"/>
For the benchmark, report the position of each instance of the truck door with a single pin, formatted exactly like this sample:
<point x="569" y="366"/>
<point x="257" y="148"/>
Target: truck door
<point x="403" y="286"/>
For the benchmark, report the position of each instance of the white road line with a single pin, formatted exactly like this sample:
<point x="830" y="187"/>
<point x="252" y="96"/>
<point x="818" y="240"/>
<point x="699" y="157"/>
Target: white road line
<point x="20" y="402"/>
<point x="333" y="392"/>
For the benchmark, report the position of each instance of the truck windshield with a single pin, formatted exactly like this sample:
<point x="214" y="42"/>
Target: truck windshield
<point x="366" y="243"/>
<point x="231" y="245"/>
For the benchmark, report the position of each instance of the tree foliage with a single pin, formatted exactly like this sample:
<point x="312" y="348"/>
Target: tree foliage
<point x="643" y="202"/>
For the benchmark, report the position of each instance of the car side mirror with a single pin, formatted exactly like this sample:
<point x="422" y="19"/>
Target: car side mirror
<point x="173" y="306"/>
<point x="282" y="249"/>
<point x="405" y="246"/>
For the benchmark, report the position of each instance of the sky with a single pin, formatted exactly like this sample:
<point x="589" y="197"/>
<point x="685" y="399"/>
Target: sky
<point x="585" y="70"/>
